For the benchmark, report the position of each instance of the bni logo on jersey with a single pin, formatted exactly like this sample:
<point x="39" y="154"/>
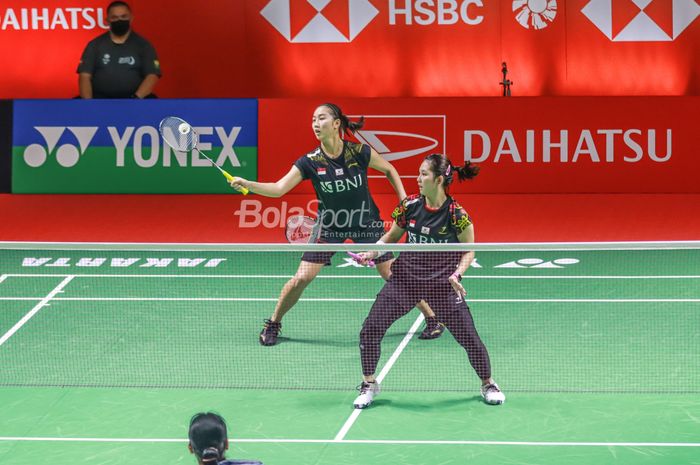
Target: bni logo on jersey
<point x="319" y="21"/>
<point x="641" y="20"/>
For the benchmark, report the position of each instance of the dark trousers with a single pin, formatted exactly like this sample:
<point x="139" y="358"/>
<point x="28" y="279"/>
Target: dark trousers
<point x="398" y="297"/>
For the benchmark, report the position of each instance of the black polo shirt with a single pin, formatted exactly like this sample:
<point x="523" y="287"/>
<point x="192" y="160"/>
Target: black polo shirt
<point x="118" y="69"/>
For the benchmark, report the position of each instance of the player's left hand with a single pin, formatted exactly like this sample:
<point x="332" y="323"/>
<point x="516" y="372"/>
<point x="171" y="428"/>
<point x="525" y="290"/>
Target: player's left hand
<point x="363" y="258"/>
<point x="457" y="286"/>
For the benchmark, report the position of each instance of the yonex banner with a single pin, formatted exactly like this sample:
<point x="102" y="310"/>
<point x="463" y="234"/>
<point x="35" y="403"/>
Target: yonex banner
<point x="528" y="145"/>
<point x="75" y="146"/>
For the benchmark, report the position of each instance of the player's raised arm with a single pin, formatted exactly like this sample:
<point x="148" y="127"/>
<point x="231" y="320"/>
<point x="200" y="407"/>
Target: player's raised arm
<point x="271" y="189"/>
<point x="380" y="164"/>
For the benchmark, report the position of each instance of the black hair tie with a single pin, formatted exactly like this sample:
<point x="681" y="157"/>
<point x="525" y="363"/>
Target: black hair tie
<point x="210" y="454"/>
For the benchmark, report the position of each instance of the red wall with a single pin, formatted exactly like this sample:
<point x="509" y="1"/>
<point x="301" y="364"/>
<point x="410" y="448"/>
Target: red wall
<point x="613" y="144"/>
<point x="227" y="48"/>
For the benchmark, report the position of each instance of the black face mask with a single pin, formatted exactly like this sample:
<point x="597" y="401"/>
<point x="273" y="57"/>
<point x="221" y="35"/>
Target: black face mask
<point x="120" y="27"/>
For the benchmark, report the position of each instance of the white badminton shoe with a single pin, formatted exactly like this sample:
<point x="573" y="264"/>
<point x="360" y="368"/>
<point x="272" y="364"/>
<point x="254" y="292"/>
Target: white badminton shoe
<point x="492" y="394"/>
<point x="368" y="391"/>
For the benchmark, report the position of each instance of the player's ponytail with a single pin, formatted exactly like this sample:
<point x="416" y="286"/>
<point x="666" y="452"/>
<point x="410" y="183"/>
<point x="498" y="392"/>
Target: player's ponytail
<point x="210" y="456"/>
<point x="440" y="165"/>
<point x="208" y="437"/>
<point x="468" y="171"/>
<point x="346" y="126"/>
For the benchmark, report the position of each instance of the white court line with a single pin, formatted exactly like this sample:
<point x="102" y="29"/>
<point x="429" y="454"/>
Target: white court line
<point x="3" y="278"/>
<point x="339" y="299"/>
<point x="364" y="276"/>
<point x="34" y="310"/>
<point x="367" y="441"/>
<point x="390" y="363"/>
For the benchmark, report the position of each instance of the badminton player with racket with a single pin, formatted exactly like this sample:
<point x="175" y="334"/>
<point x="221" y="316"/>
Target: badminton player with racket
<point x="337" y="168"/>
<point x="431" y="217"/>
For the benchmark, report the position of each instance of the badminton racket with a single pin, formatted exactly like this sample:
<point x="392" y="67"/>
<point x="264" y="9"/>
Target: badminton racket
<point x="181" y="136"/>
<point x="302" y="229"/>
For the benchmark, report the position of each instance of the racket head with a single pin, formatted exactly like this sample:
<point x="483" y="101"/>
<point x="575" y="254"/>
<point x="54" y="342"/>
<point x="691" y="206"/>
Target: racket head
<point x="178" y="133"/>
<point x="301" y="229"/>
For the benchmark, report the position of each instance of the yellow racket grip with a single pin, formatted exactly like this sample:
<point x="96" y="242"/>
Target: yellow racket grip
<point x="230" y="178"/>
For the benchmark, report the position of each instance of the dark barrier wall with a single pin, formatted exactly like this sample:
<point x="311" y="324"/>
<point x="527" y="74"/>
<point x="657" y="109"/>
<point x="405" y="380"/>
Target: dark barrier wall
<point x="5" y="145"/>
<point x="369" y="48"/>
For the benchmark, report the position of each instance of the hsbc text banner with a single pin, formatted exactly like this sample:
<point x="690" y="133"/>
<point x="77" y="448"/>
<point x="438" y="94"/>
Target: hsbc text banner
<point x="528" y="145"/>
<point x="368" y="48"/>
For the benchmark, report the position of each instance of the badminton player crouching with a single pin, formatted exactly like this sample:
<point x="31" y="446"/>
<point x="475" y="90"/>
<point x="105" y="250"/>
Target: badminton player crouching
<point x="209" y="441"/>
<point x="431" y="217"/>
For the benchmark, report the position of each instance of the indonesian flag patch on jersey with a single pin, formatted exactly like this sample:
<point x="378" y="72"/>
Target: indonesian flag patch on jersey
<point x="321" y="171"/>
<point x="412" y="224"/>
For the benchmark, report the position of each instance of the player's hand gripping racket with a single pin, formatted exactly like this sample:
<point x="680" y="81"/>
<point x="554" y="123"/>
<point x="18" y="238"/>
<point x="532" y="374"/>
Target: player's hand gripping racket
<point x="179" y="135"/>
<point x="361" y="259"/>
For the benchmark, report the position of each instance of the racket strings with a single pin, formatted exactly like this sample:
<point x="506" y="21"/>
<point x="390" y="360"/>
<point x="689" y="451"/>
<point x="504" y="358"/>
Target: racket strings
<point x="178" y="134"/>
<point x="301" y="230"/>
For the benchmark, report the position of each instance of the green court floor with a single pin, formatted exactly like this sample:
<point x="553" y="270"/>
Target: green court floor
<point x="105" y="355"/>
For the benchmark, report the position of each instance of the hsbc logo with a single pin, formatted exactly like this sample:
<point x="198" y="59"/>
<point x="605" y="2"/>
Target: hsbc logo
<point x="340" y="21"/>
<point x="319" y="21"/>
<point x="641" y="20"/>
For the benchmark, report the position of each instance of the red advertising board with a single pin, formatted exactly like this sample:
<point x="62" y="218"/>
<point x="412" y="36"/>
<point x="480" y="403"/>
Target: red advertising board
<point x="201" y="49"/>
<point x="524" y="145"/>
<point x="370" y="48"/>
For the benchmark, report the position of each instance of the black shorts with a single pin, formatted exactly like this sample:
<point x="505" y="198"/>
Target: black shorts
<point x="405" y="293"/>
<point x="359" y="236"/>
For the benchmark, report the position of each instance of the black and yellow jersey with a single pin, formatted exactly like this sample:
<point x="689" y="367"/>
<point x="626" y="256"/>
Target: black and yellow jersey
<point x="341" y="187"/>
<point x="425" y="225"/>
